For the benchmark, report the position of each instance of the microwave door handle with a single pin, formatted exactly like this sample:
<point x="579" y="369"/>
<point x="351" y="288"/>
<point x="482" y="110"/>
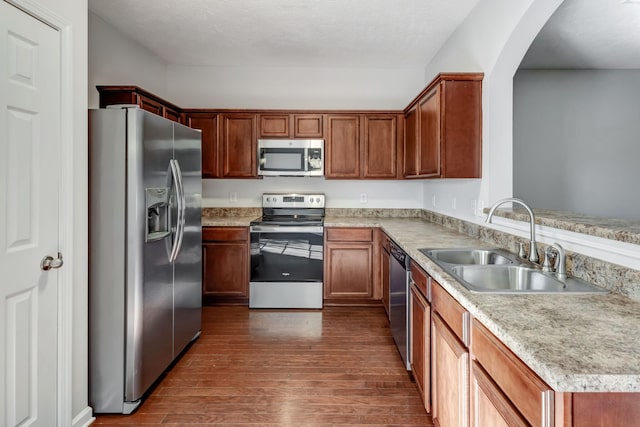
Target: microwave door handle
<point x="306" y="159"/>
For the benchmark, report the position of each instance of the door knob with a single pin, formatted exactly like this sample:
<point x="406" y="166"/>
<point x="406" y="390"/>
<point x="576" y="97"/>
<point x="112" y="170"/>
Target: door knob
<point x="49" y="262"/>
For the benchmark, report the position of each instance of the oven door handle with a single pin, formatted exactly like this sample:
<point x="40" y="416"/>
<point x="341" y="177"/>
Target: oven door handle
<point x="286" y="229"/>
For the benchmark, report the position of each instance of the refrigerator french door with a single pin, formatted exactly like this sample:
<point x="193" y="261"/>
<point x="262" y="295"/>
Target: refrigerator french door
<point x="145" y="252"/>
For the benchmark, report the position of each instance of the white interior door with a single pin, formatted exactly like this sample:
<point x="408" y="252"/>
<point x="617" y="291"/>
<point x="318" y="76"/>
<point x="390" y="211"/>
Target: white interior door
<point x="29" y="180"/>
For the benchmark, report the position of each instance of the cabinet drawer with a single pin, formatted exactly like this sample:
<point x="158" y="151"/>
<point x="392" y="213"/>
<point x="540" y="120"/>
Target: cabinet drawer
<point x="529" y="394"/>
<point x="225" y="234"/>
<point x="456" y="317"/>
<point x="349" y="234"/>
<point x="421" y="279"/>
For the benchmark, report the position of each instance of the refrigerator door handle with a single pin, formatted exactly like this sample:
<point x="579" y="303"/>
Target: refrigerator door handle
<point x="176" y="173"/>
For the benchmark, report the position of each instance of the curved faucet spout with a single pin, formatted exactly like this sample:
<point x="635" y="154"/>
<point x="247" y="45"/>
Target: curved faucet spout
<point x="533" y="248"/>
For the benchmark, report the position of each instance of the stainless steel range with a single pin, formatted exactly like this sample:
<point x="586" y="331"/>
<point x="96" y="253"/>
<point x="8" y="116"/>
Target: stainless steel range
<point x="287" y="252"/>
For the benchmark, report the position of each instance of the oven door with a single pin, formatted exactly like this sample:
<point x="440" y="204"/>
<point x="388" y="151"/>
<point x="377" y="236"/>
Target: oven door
<point x="286" y="266"/>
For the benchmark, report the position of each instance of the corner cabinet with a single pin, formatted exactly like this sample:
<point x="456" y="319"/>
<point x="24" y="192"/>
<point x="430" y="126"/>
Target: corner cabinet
<point x="225" y="264"/>
<point x="443" y="129"/>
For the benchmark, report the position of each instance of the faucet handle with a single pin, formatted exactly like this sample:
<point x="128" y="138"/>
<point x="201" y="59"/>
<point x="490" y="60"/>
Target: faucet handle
<point x="547" y="267"/>
<point x="521" y="251"/>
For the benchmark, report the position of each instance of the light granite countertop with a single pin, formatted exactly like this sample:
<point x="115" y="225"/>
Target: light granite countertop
<point x="575" y="343"/>
<point x="621" y="230"/>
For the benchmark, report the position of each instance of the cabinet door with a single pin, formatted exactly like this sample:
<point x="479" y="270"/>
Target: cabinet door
<point x="150" y="105"/>
<point x="461" y="139"/>
<point x="411" y="143"/>
<point x="384" y="271"/>
<point x="226" y="272"/>
<point x="342" y="146"/>
<point x="532" y="397"/>
<point x="489" y="406"/>
<point x="421" y="344"/>
<point x="307" y="126"/>
<point x="171" y="114"/>
<point x="450" y="376"/>
<point x="348" y="270"/>
<point x="274" y="126"/>
<point x="208" y="124"/>
<point x="429" y="132"/>
<point x="380" y="146"/>
<point x="239" y="145"/>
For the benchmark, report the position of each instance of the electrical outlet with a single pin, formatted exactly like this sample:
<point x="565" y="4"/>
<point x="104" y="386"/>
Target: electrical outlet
<point x="233" y="196"/>
<point x="454" y="203"/>
<point x="433" y="201"/>
<point x="363" y="197"/>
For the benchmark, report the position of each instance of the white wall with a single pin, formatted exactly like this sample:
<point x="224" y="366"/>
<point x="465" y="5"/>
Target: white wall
<point x="576" y="140"/>
<point x="493" y="39"/>
<point x="340" y="193"/>
<point x="117" y="60"/>
<point x="294" y="88"/>
<point x="301" y="88"/>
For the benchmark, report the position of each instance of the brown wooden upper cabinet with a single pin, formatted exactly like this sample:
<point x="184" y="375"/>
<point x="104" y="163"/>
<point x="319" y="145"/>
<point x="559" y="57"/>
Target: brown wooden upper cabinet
<point x="208" y="124"/>
<point x="365" y="146"/>
<point x="112" y="95"/>
<point x="342" y="146"/>
<point x="443" y="129"/>
<point x="239" y="145"/>
<point x="283" y="125"/>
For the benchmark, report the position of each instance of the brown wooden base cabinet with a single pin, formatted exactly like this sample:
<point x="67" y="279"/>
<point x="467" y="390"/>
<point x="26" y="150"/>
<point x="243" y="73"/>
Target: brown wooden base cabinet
<point x="225" y="263"/>
<point x="348" y="267"/>
<point x="384" y="256"/>
<point x="421" y="333"/>
<point x="449" y="360"/>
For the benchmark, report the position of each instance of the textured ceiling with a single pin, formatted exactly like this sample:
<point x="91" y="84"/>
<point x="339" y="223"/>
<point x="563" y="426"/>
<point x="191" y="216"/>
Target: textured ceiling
<point x="589" y="34"/>
<point x="290" y="33"/>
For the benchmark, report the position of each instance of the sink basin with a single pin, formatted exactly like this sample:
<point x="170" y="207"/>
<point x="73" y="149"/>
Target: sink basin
<point x="468" y="256"/>
<point x="518" y="279"/>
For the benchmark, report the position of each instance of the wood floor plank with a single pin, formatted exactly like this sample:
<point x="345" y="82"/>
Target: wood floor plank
<point x="332" y="367"/>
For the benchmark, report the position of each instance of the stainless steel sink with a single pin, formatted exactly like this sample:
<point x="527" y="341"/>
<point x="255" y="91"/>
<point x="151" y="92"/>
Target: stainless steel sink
<point x="469" y="256"/>
<point x="497" y="271"/>
<point x="518" y="279"/>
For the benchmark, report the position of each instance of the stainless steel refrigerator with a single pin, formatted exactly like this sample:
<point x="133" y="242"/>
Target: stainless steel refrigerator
<point x="145" y="241"/>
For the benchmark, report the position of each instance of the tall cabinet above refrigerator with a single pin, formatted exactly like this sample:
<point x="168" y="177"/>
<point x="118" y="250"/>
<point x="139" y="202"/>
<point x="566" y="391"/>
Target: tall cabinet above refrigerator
<point x="145" y="274"/>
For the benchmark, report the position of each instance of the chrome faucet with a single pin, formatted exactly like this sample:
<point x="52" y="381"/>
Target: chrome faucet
<point x="560" y="263"/>
<point x="533" y="248"/>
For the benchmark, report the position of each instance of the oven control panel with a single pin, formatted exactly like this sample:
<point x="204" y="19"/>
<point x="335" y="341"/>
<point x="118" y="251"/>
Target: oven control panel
<point x="278" y="200"/>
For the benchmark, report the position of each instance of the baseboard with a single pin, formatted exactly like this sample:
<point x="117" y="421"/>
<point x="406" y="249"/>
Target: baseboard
<point x="84" y="418"/>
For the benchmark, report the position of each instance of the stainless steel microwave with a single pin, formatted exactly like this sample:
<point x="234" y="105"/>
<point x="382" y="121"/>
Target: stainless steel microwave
<point x="291" y="157"/>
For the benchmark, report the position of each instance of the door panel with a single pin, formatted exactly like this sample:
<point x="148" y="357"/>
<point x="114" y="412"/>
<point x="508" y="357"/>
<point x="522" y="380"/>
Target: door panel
<point x="187" y="288"/>
<point x="29" y="180"/>
<point x="149" y="273"/>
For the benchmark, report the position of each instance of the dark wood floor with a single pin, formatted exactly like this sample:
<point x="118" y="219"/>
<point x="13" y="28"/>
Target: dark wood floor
<point x="334" y="367"/>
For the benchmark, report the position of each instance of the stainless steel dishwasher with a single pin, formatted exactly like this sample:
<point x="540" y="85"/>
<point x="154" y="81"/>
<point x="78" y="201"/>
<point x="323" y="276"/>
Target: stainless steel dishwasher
<point x="399" y="307"/>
